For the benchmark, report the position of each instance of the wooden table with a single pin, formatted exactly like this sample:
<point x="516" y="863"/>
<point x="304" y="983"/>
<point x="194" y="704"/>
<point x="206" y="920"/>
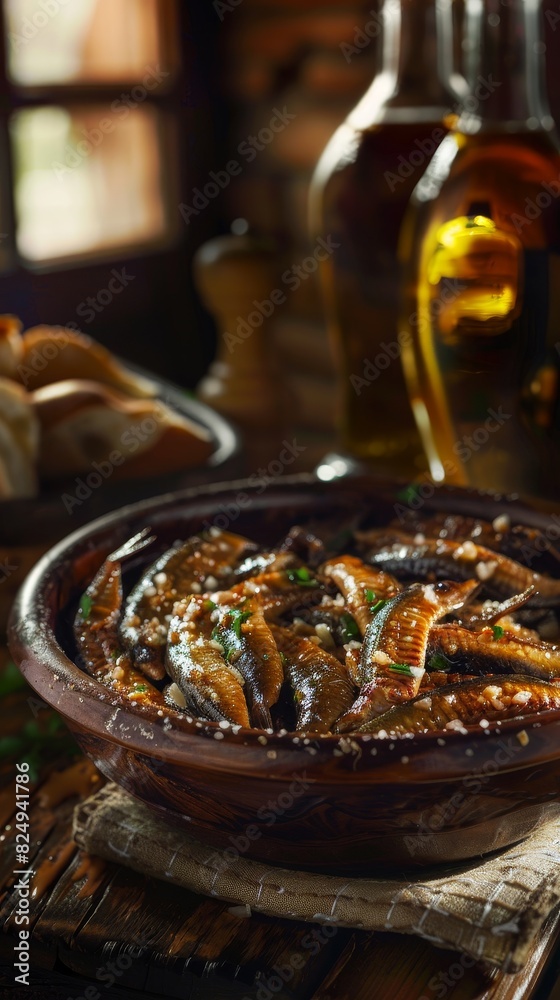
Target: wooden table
<point x="111" y="934"/>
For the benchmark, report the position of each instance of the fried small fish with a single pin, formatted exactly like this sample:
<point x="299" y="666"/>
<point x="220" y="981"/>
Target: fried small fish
<point x="304" y="543"/>
<point x="362" y="587"/>
<point x="501" y="576"/>
<point x="340" y="623"/>
<point x="212" y="687"/>
<point x="264" y="562"/>
<point x="96" y="629"/>
<point x="471" y="703"/>
<point x="495" y="651"/>
<point x="282" y="592"/>
<point x="352" y="661"/>
<point x="475" y="616"/>
<point x="394" y="649"/>
<point x="515" y="540"/>
<point x="241" y="629"/>
<point x="321" y="685"/>
<point x="439" y="678"/>
<point x="183" y="569"/>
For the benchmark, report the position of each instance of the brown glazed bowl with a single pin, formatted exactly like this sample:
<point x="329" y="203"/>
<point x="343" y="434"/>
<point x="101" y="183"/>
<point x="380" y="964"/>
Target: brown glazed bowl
<point x="359" y="805"/>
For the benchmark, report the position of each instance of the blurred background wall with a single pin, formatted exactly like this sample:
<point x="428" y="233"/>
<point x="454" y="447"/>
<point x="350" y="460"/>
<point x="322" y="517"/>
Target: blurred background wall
<point x="115" y="113"/>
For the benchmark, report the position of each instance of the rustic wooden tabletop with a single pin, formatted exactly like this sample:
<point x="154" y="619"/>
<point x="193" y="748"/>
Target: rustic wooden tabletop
<point x="98" y="930"/>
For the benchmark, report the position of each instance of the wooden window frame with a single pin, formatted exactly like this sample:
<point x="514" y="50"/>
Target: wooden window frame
<point x="166" y="100"/>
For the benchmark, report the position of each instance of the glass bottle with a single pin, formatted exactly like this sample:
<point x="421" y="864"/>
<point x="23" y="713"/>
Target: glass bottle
<point x="359" y="192"/>
<point x="481" y="316"/>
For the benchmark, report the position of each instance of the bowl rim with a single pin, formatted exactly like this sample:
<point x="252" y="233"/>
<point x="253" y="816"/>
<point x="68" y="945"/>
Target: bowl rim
<point x="36" y="645"/>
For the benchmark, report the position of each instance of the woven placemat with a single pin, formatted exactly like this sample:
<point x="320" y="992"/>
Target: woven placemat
<point x="492" y="911"/>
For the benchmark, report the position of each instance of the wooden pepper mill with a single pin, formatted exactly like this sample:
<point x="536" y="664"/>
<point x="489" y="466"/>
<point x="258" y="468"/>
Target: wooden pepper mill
<point x="237" y="279"/>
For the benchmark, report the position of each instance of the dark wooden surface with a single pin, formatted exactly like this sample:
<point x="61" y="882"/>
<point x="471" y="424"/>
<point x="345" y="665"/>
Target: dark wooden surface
<point x="124" y="936"/>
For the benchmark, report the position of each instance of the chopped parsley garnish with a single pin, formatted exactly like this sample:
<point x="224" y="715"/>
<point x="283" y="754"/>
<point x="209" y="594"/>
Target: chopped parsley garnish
<point x="222" y="633"/>
<point x="228" y="647"/>
<point x="283" y="657"/>
<point x="302" y="577"/>
<point x="237" y="619"/>
<point x="209" y="605"/>
<point x="349" y="627"/>
<point x="221" y="636"/>
<point x="374" y="605"/>
<point x="374" y="608"/>
<point x="497" y="632"/>
<point x="140" y="688"/>
<point x="86" y="605"/>
<point x="439" y="662"/>
<point x="401" y="668"/>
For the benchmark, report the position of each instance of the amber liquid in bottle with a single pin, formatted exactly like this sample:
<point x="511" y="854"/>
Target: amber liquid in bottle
<point x="482" y="239"/>
<point x="361" y="189"/>
<point x="364" y="213"/>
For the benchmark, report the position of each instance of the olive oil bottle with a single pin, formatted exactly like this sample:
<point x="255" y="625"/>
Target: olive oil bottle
<point x="480" y="247"/>
<point x="359" y="193"/>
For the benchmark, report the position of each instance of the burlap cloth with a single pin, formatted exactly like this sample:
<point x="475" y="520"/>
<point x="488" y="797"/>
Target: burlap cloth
<point x="493" y="911"/>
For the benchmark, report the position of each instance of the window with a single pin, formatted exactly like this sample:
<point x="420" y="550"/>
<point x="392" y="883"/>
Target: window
<point x="91" y="133"/>
<point x="107" y="123"/>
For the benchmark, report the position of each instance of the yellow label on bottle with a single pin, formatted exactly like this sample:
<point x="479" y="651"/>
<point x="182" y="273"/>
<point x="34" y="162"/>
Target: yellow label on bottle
<point x="485" y="266"/>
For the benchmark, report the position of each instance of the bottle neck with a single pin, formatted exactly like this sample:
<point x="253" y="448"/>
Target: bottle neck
<point x="417" y="40"/>
<point x="506" y="67"/>
<point x="417" y="66"/>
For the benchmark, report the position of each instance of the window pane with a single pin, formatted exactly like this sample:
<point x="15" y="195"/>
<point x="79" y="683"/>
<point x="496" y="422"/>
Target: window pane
<point x="86" y="179"/>
<point x="57" y="41"/>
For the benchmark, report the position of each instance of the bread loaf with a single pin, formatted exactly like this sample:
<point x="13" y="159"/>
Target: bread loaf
<point x="83" y="423"/>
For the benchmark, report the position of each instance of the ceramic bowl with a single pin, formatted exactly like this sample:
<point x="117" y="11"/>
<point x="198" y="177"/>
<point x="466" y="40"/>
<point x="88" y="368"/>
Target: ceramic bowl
<point x="352" y="805"/>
